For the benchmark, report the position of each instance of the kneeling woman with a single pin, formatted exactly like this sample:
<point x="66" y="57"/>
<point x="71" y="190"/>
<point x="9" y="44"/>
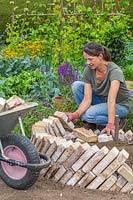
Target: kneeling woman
<point x="103" y="92"/>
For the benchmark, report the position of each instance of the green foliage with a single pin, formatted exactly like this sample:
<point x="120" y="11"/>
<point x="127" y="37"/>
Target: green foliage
<point x="14" y="66"/>
<point x="37" y="44"/>
<point x="30" y="84"/>
<point x="128" y="72"/>
<point x="67" y="34"/>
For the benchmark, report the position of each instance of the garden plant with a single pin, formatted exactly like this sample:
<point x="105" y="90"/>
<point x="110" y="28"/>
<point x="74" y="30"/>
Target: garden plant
<point x="42" y="55"/>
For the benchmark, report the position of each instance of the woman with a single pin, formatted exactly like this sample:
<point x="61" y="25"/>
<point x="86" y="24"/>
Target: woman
<point x="103" y="92"/>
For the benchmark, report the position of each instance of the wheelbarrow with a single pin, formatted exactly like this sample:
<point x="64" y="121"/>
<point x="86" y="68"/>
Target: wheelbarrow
<point x="20" y="163"/>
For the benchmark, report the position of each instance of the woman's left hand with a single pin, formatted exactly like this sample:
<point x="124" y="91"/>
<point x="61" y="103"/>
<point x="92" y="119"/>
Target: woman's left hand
<point x="109" y="129"/>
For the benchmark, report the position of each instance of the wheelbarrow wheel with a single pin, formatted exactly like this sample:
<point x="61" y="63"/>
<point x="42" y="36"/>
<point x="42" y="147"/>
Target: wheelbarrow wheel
<point x="19" y="148"/>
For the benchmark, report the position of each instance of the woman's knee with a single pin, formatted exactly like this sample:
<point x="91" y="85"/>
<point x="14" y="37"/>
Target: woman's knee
<point x="77" y="85"/>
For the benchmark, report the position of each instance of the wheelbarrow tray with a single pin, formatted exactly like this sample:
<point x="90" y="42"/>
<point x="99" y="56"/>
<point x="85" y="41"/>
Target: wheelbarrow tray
<point x="9" y="119"/>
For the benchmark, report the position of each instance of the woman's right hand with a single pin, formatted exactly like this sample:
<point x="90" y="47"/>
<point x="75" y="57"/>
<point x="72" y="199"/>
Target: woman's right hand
<point x="72" y="116"/>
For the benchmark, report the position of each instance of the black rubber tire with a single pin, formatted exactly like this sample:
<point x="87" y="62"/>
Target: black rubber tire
<point x="31" y="155"/>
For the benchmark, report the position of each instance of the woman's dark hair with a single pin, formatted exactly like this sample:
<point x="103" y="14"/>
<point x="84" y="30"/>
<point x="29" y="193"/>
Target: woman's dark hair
<point x="94" y="49"/>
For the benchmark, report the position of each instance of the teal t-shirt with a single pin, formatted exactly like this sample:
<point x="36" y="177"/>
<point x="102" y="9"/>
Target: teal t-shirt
<point x="102" y="89"/>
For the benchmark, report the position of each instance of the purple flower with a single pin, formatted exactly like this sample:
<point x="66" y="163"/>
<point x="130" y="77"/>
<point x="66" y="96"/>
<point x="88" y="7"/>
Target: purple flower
<point x="68" y="101"/>
<point x="42" y="70"/>
<point x="85" y="65"/>
<point x="131" y="91"/>
<point x="66" y="74"/>
<point x="46" y="103"/>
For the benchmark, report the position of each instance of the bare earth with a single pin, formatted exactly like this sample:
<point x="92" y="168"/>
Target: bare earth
<point x="48" y="190"/>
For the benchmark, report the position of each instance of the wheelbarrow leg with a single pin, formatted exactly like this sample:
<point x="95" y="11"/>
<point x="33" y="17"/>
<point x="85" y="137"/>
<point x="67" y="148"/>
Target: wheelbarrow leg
<point x="2" y="152"/>
<point x="21" y="125"/>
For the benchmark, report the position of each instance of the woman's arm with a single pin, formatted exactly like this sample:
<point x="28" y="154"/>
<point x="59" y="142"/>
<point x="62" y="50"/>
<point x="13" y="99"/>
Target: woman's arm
<point x="114" y="88"/>
<point x="86" y="102"/>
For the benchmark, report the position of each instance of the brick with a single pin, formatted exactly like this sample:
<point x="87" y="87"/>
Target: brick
<point x="119" y="184"/>
<point x="41" y="135"/>
<point x="85" y="156"/>
<point x="60" y="140"/>
<point x="54" y="121"/>
<point x="61" y="128"/>
<point x="68" y="152"/>
<point x="105" y="138"/>
<point x="95" y="159"/>
<point x="75" y="178"/>
<point x="14" y="101"/>
<point x="126" y="172"/>
<point x="122" y="157"/>
<point x="127" y="188"/>
<point x="51" y="149"/>
<point x="49" y="126"/>
<point x="51" y="172"/>
<point x="40" y="145"/>
<point x="76" y="155"/>
<point x="113" y="153"/>
<point x="64" y="120"/>
<point x="66" y="177"/>
<point x="96" y="182"/>
<point x="33" y="138"/>
<point x="86" y="179"/>
<point x="121" y="135"/>
<point x="79" y="140"/>
<point x="38" y="127"/>
<point x="38" y="141"/>
<point x="70" y="135"/>
<point x="50" y="138"/>
<point x="108" y="183"/>
<point x="45" y="146"/>
<point x="60" y="150"/>
<point x="44" y="171"/>
<point x="85" y="134"/>
<point x="61" y="171"/>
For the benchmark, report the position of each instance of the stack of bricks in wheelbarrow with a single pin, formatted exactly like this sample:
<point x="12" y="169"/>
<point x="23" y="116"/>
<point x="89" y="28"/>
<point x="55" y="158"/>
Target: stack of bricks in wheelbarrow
<point x="77" y="162"/>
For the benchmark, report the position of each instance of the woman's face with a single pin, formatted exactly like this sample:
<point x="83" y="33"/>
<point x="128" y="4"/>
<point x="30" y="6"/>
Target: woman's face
<point x="93" y="61"/>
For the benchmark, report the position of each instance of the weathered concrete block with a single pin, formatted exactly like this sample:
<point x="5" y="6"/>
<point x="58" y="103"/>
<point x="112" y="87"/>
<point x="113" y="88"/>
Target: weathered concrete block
<point x="105" y="138"/>
<point x="68" y="152"/>
<point x="59" y="173"/>
<point x="64" y="120"/>
<point x="126" y="172"/>
<point x="85" y="134"/>
<point x="113" y="153"/>
<point x="76" y="155"/>
<point x="127" y="188"/>
<point x="108" y="183"/>
<point x="66" y="177"/>
<point x="122" y="157"/>
<point x="95" y="159"/>
<point x="86" y="179"/>
<point x="85" y="157"/>
<point x="119" y="184"/>
<point x="75" y="178"/>
<point x="96" y="182"/>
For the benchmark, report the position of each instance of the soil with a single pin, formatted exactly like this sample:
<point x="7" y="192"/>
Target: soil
<point x="48" y="190"/>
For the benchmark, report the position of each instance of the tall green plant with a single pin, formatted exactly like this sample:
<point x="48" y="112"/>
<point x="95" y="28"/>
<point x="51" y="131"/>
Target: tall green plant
<point x="67" y="32"/>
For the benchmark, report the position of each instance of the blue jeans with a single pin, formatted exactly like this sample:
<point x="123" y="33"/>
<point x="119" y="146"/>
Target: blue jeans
<point x="97" y="113"/>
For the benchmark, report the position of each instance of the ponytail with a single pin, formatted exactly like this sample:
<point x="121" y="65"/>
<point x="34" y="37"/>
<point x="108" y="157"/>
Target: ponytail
<point x="106" y="54"/>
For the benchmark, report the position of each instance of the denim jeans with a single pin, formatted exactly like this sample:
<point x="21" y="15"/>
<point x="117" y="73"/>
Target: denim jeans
<point x="97" y="113"/>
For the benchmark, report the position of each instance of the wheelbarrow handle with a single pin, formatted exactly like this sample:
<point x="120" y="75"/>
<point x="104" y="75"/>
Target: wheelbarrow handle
<point x="45" y="162"/>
